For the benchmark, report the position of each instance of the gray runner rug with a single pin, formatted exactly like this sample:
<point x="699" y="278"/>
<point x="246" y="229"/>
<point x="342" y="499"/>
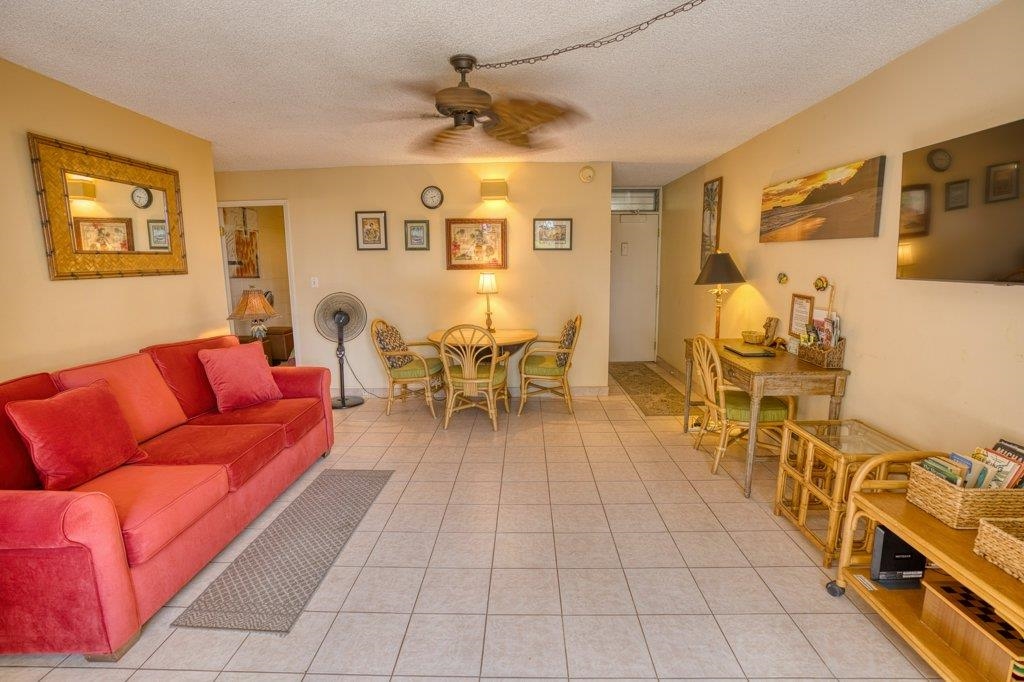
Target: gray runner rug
<point x="272" y="580"/>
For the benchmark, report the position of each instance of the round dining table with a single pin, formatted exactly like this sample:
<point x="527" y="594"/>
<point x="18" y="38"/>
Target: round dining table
<point x="509" y="340"/>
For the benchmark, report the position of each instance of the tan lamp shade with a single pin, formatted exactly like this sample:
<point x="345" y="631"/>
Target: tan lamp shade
<point x="488" y="283"/>
<point x="253" y="306"/>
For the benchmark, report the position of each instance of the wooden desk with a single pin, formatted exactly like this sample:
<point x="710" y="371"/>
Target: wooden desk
<point x="508" y="339"/>
<point x="782" y="375"/>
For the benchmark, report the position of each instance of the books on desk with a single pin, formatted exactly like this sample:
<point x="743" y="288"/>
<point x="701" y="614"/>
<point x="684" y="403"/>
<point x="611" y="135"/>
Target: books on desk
<point x="1001" y="466"/>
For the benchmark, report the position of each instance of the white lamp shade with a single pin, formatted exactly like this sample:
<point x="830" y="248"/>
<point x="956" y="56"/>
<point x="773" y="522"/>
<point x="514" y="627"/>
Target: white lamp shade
<point x="488" y="283"/>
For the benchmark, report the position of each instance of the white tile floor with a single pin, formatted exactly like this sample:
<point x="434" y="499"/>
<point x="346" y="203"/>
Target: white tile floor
<point x="594" y="546"/>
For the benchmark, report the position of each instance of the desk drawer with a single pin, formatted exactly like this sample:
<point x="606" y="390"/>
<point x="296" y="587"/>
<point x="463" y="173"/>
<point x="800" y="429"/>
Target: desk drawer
<point x="736" y="376"/>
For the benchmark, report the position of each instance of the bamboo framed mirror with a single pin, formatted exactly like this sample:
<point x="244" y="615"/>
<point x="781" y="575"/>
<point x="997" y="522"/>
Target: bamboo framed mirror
<point x="105" y="215"/>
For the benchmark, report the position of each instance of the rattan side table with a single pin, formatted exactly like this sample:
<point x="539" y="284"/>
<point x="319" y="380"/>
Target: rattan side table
<point x="817" y="462"/>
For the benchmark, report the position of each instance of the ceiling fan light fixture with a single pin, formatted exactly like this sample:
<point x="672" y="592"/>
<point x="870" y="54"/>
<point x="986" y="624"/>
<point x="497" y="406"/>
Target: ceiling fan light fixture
<point x="464" y="120"/>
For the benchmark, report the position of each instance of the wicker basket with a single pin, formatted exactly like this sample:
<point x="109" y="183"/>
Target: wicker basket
<point x="752" y="337"/>
<point x="829" y="358"/>
<point x="961" y="508"/>
<point x="1001" y="542"/>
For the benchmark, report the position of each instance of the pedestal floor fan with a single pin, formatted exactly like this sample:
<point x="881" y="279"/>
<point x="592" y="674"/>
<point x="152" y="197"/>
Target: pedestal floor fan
<point x="341" y="316"/>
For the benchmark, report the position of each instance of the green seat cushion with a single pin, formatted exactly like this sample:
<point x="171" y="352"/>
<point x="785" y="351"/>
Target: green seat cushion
<point x="414" y="370"/>
<point x="737" y="408"/>
<point x="499" y="373"/>
<point x="543" y="365"/>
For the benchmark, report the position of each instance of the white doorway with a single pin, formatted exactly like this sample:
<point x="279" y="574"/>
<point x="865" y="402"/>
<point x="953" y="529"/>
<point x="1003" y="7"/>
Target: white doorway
<point x="634" y="294"/>
<point x="256" y="252"/>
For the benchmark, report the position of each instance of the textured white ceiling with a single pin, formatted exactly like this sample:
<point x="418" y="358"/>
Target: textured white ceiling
<point x="317" y="83"/>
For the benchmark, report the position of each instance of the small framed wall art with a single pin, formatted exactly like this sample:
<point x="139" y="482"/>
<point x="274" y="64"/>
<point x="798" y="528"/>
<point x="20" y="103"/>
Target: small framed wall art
<point x="417" y="235"/>
<point x="958" y="194"/>
<point x="371" y="230"/>
<point x="1002" y="182"/>
<point x="711" y="219"/>
<point x="552" y="234"/>
<point x="159" y="237"/>
<point x="96" y="235"/>
<point x="476" y="243"/>
<point x="915" y="210"/>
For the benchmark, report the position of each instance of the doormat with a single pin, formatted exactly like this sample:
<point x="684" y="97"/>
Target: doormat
<point x="272" y="580"/>
<point x="652" y="394"/>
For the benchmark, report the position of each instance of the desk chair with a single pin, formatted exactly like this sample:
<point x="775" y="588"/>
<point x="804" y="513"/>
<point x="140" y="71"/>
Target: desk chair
<point x="729" y="410"/>
<point x="546" y="363"/>
<point x="405" y="368"/>
<point x="475" y="372"/>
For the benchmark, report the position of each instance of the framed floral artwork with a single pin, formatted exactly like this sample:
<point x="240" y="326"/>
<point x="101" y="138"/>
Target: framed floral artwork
<point x="94" y="235"/>
<point x="417" y="235"/>
<point x="552" y="234"/>
<point x="371" y="230"/>
<point x="476" y="243"/>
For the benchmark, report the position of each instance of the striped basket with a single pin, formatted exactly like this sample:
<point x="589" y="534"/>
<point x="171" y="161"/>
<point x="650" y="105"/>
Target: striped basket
<point x="961" y="508"/>
<point x="1001" y="542"/>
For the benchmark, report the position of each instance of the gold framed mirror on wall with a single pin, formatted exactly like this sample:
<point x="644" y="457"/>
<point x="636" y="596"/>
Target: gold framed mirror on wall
<point x="105" y="215"/>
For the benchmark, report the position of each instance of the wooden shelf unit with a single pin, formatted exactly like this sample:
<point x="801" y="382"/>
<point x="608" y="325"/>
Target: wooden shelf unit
<point x="950" y="550"/>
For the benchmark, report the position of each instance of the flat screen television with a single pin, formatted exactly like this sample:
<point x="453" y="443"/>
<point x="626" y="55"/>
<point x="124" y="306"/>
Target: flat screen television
<point x="961" y="213"/>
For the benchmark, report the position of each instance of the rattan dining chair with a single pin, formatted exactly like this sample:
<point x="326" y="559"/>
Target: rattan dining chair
<point x="475" y="372"/>
<point x="546" y="363"/>
<point x="404" y="368"/>
<point x="728" y="409"/>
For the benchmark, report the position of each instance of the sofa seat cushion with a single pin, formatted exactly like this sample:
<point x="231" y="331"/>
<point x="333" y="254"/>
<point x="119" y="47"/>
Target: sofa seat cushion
<point x="242" y="449"/>
<point x="296" y="415"/>
<point x="144" y="397"/>
<point x="180" y="367"/>
<point x="156" y="503"/>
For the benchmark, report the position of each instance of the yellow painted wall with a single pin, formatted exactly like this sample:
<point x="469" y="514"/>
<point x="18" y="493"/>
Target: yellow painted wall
<point x="940" y="364"/>
<point x="412" y="289"/>
<point x="50" y="325"/>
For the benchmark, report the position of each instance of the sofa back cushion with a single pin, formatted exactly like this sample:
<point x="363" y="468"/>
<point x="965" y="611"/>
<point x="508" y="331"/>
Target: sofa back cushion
<point x="74" y="436"/>
<point x="240" y="376"/>
<point x="16" y="469"/>
<point x="145" y="400"/>
<point x="179" y="364"/>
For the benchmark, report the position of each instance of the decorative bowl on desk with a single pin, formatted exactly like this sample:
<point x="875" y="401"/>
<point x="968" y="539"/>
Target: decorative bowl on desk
<point x="752" y="337"/>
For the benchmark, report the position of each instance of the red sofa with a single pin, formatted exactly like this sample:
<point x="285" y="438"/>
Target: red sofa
<point x="83" y="570"/>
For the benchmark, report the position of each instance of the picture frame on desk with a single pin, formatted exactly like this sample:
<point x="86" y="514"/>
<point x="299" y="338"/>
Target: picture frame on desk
<point x="801" y="312"/>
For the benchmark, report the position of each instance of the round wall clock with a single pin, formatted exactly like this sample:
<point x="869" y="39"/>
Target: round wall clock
<point x="587" y="174"/>
<point x="939" y="160"/>
<point x="432" y="196"/>
<point x="142" y="197"/>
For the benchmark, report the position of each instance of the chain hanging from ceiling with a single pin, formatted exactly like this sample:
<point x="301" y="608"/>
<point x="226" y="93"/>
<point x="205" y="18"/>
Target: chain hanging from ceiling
<point x="616" y="37"/>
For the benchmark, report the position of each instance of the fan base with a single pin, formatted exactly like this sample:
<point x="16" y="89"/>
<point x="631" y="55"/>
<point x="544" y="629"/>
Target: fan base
<point x="349" y="401"/>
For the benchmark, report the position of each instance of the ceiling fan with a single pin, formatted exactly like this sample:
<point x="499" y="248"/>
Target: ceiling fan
<point x="513" y="121"/>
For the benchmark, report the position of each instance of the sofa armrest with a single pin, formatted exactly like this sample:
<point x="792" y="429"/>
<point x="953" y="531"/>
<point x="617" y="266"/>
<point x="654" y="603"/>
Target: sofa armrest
<point x="308" y="382"/>
<point x="64" y="579"/>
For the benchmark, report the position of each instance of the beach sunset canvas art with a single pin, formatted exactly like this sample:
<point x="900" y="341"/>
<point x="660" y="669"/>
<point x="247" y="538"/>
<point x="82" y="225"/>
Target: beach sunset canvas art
<point x="838" y="203"/>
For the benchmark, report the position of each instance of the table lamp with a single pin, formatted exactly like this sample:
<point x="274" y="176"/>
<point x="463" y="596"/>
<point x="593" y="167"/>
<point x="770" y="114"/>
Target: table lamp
<point x="254" y="307"/>
<point x="719" y="269"/>
<point x="487" y="285"/>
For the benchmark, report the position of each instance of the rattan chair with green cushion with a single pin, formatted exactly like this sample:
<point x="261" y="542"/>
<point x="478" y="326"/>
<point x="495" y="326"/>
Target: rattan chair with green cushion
<point x="405" y="368"/>
<point x="475" y="372"/>
<point x="728" y="410"/>
<point x="546" y="363"/>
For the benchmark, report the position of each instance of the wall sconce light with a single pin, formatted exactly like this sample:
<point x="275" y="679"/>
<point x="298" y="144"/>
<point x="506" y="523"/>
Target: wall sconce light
<point x="494" y="189"/>
<point x="81" y="189"/>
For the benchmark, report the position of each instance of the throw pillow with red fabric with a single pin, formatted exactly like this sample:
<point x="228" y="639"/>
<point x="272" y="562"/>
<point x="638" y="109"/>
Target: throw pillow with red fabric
<point x="239" y="376"/>
<point x="75" y="436"/>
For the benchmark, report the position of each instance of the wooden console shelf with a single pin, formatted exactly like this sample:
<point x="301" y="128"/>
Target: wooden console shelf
<point x="950" y="550"/>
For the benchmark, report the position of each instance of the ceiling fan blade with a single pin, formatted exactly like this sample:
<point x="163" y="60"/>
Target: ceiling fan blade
<point x="512" y="120"/>
<point x="441" y="140"/>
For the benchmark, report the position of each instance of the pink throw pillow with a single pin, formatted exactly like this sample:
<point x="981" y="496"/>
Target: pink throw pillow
<point x="239" y="376"/>
<point x="75" y="436"/>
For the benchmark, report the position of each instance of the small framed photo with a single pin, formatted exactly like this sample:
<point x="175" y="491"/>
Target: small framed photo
<point x="1002" y="182"/>
<point x="552" y="234"/>
<point x="94" y="235"/>
<point x="801" y="314"/>
<point x="915" y="210"/>
<point x="417" y="235"/>
<point x="371" y="230"/>
<point x="159" y="237"/>
<point x="958" y="194"/>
